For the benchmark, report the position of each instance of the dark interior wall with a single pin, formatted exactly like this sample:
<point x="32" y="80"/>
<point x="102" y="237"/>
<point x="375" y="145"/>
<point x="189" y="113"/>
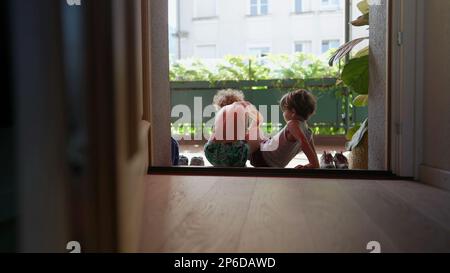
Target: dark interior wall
<point x="62" y="87"/>
<point x="41" y="125"/>
<point x="7" y="183"/>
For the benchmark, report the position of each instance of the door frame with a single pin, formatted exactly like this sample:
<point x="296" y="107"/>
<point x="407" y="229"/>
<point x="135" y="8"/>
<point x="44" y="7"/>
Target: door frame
<point x="406" y="127"/>
<point x="384" y="164"/>
<point x="160" y="129"/>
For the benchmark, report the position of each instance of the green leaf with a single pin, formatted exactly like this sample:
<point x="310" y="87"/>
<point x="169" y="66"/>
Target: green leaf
<point x="356" y="75"/>
<point x="361" y="101"/>
<point x="351" y="132"/>
<point x="358" y="136"/>
<point x="363" y="52"/>
<point x="345" y="49"/>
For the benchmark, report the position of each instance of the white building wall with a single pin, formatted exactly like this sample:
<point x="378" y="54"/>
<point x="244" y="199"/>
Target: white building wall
<point x="233" y="31"/>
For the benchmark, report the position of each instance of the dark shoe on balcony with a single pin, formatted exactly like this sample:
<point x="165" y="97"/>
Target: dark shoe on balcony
<point x="340" y="161"/>
<point x="184" y="161"/>
<point x="197" y="161"/>
<point x="326" y="161"/>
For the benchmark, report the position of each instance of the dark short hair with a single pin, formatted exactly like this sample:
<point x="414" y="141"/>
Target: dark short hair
<point x="301" y="101"/>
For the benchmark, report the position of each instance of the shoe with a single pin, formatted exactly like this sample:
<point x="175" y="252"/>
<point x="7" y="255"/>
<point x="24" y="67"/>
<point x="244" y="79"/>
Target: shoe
<point x="340" y="161"/>
<point x="326" y="161"/>
<point x="184" y="161"/>
<point x="197" y="161"/>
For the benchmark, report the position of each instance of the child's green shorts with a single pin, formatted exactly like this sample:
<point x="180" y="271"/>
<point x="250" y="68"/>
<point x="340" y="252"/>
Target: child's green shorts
<point x="234" y="154"/>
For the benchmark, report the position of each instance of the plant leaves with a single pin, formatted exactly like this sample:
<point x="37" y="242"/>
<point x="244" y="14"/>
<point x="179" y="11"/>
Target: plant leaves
<point x="345" y="49"/>
<point x="361" y="101"/>
<point x="356" y="75"/>
<point x="280" y="66"/>
<point x="363" y="6"/>
<point x="358" y="136"/>
<point x="351" y="132"/>
<point x="362" y="52"/>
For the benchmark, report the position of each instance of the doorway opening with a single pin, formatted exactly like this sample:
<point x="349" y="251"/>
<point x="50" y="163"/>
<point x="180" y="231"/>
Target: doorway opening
<point x="267" y="49"/>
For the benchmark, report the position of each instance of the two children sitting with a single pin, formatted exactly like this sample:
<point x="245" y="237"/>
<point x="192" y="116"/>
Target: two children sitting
<point x="237" y="136"/>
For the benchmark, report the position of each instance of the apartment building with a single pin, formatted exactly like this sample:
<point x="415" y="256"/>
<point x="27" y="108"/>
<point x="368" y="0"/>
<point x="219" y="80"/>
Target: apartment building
<point x="214" y="28"/>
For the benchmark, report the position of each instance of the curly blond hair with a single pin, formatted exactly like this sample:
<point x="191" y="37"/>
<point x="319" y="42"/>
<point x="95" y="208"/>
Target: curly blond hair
<point x="227" y="96"/>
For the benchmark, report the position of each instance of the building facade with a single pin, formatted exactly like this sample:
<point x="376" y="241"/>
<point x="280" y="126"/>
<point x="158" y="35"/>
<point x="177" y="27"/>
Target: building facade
<point x="210" y="29"/>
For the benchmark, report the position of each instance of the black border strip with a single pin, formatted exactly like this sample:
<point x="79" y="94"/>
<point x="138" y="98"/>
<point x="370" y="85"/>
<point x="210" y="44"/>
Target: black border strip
<point x="272" y="172"/>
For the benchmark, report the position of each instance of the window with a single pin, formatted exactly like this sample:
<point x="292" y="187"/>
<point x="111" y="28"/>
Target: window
<point x="259" y="51"/>
<point x="329" y="44"/>
<point x="301" y="6"/>
<point x="259" y="7"/>
<point x="330" y="4"/>
<point x="302" y="47"/>
<point x="205" y="51"/>
<point x="205" y="8"/>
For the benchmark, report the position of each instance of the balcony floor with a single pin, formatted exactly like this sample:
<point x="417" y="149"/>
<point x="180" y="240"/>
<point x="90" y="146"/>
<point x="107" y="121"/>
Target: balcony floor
<point x="197" y="150"/>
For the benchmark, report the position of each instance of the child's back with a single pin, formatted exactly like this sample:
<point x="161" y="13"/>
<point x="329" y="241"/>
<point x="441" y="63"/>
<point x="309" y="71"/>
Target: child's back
<point x="235" y="124"/>
<point x="238" y="121"/>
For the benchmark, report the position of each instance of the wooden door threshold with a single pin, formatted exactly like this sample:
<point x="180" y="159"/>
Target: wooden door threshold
<point x="273" y="172"/>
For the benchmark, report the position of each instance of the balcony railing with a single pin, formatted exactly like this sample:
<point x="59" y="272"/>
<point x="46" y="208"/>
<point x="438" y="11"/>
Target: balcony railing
<point x="334" y="116"/>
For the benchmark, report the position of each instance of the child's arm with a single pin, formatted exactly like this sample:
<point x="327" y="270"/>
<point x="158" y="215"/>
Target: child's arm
<point x="310" y="166"/>
<point x="256" y="118"/>
<point x="307" y="146"/>
<point x="255" y="134"/>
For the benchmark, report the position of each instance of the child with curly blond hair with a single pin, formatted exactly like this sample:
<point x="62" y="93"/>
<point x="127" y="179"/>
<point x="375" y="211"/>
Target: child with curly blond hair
<point x="236" y="131"/>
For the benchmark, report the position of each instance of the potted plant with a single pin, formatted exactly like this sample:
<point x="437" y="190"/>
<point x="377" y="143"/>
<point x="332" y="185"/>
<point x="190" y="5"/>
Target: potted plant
<point x="355" y="75"/>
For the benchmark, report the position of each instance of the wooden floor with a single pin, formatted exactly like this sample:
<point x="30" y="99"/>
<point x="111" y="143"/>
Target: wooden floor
<point x="225" y="214"/>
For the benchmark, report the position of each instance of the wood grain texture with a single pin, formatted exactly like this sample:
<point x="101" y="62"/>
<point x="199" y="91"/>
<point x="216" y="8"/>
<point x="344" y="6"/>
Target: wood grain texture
<point x="410" y="230"/>
<point x="431" y="203"/>
<point x="317" y="216"/>
<point x="276" y="220"/>
<point x="169" y="199"/>
<point x="215" y="223"/>
<point x="226" y="214"/>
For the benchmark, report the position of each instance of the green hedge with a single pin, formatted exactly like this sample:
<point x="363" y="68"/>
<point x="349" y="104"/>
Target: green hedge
<point x="329" y="119"/>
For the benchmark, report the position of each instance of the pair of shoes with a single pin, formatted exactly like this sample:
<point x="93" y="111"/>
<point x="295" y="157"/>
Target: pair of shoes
<point x="184" y="161"/>
<point x="197" y="161"/>
<point x="338" y="161"/>
<point x="327" y="161"/>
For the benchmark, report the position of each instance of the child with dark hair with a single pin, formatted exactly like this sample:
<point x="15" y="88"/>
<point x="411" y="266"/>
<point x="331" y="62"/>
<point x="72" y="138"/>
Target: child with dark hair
<point x="295" y="137"/>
